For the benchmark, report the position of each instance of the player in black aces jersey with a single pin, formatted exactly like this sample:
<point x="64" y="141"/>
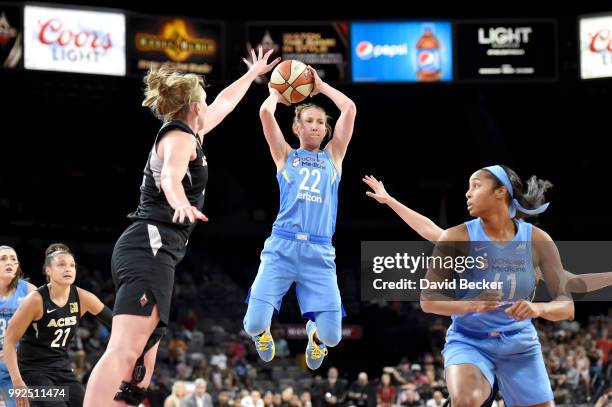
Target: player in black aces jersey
<point x="46" y="322"/>
<point x="171" y="200"/>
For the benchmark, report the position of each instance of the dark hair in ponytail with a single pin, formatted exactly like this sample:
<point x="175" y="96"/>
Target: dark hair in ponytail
<point x="52" y="251"/>
<point x="533" y="197"/>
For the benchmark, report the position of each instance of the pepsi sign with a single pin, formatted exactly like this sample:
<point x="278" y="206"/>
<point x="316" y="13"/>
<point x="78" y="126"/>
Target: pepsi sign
<point x="401" y="52"/>
<point x="366" y="50"/>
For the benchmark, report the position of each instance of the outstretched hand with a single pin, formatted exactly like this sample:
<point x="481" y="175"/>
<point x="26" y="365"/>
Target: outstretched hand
<point x="379" y="193"/>
<point x="259" y="63"/>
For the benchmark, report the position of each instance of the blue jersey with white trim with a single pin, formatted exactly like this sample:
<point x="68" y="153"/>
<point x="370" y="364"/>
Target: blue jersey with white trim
<point x="308" y="193"/>
<point x="509" y="263"/>
<point x="9" y="305"/>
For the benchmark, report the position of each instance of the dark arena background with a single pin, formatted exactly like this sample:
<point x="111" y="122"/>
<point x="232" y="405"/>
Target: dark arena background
<point x="73" y="147"/>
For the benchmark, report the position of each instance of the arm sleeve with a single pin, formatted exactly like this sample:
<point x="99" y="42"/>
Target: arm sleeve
<point x="106" y="317"/>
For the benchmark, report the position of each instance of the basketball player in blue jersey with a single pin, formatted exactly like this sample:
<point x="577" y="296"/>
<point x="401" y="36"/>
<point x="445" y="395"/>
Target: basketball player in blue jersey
<point x="171" y="199"/>
<point x="429" y="230"/>
<point x="13" y="290"/>
<point x="300" y="249"/>
<point x="491" y="338"/>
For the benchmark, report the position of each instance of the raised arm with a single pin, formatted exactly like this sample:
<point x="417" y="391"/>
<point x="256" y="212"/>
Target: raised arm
<point x="424" y="226"/>
<point x="343" y="130"/>
<point x="226" y="101"/>
<point x="279" y="148"/>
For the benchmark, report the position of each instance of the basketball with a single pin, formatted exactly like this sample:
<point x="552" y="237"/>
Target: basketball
<point x="293" y="80"/>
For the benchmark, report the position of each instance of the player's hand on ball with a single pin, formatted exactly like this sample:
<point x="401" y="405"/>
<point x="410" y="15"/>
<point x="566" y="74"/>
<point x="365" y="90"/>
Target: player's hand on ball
<point x="259" y="63"/>
<point x="190" y="212"/>
<point x="279" y="98"/>
<point x="524" y="309"/>
<point x="378" y="189"/>
<point x="318" y="82"/>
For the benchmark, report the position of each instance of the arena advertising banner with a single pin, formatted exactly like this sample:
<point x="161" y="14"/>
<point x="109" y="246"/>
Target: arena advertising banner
<point x="595" y="46"/>
<point x="184" y="44"/>
<point x="506" y="50"/>
<point x="323" y="45"/>
<point x="11" y="37"/>
<point x="298" y="331"/>
<point x="402" y="52"/>
<point x="70" y="40"/>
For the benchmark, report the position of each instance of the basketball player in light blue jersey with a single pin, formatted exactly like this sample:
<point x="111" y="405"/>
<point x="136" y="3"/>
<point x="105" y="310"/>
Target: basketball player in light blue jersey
<point x="12" y="291"/>
<point x="300" y="249"/>
<point x="429" y="230"/>
<point x="491" y="338"/>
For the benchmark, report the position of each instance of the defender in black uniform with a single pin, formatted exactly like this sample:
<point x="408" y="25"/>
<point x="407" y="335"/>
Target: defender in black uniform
<point x="147" y="252"/>
<point x="46" y="322"/>
<point x="171" y="200"/>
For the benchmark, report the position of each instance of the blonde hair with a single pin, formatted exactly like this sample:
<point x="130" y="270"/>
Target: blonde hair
<point x="175" y="396"/>
<point x="305" y="106"/>
<point x="169" y="94"/>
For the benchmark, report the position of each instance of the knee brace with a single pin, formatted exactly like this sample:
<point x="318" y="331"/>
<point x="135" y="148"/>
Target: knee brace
<point x="129" y="392"/>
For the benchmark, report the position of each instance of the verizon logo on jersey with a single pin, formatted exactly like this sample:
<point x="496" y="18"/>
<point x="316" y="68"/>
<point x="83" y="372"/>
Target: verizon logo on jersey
<point x="309" y="197"/>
